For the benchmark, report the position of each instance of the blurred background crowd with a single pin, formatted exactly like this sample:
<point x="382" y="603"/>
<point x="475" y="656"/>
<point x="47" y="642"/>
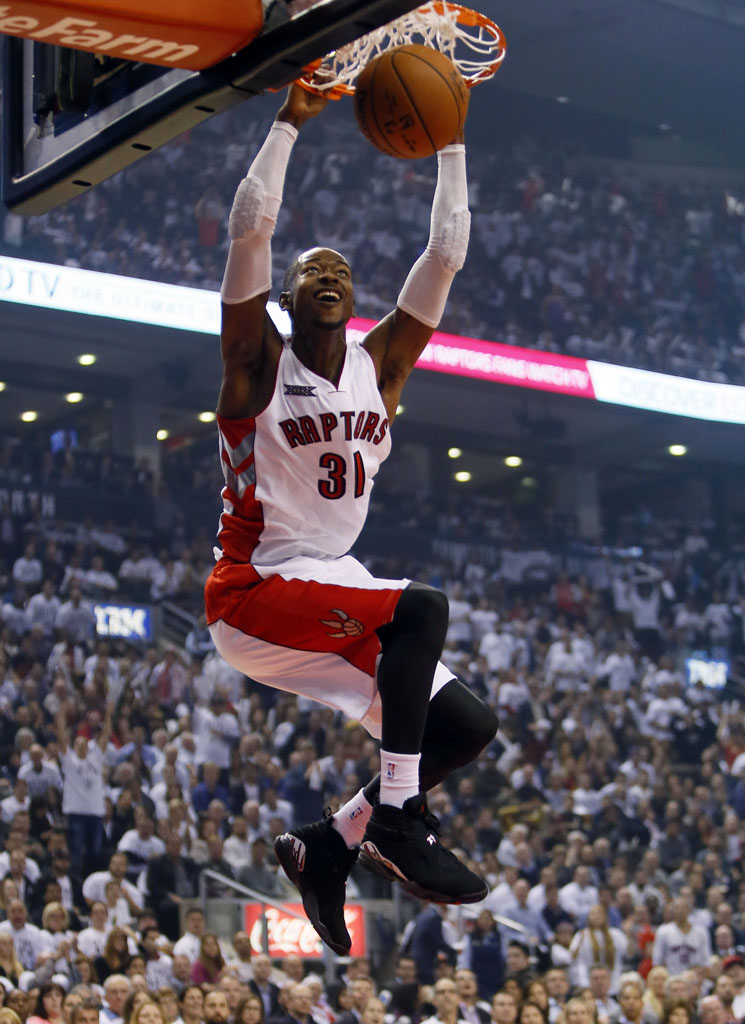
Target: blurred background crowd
<point x="608" y="815"/>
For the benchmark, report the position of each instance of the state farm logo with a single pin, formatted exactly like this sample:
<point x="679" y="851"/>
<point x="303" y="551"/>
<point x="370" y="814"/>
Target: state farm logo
<point x="292" y="935"/>
<point x="87" y="34"/>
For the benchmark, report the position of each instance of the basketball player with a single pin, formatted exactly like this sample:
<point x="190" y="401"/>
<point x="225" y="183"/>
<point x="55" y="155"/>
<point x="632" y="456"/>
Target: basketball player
<point x="304" y="424"/>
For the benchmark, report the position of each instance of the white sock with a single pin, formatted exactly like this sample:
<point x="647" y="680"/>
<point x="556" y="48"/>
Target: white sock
<point x="350" y="821"/>
<point x="399" y="777"/>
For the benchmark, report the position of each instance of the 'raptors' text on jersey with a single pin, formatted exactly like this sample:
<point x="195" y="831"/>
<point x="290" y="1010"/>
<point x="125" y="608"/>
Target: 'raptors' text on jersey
<point x="298" y="476"/>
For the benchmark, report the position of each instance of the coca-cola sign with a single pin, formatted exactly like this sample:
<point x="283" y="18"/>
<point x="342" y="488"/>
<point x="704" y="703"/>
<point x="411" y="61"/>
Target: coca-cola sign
<point x="289" y="934"/>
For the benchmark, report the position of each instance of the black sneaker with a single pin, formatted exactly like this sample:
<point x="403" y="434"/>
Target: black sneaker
<point x="401" y="844"/>
<point x="316" y="859"/>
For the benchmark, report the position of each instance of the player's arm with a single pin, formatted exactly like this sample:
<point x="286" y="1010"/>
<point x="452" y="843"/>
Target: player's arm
<point x="396" y="342"/>
<point x="250" y="343"/>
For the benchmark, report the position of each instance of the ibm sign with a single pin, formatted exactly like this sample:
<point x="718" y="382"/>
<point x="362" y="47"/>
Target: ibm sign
<point x="129" y="622"/>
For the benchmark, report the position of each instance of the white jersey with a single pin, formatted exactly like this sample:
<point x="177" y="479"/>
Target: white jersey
<point x="298" y="476"/>
<point x="678" y="950"/>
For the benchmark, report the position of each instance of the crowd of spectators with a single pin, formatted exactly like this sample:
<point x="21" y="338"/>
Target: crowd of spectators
<point x="605" y="264"/>
<point x="608" y="815"/>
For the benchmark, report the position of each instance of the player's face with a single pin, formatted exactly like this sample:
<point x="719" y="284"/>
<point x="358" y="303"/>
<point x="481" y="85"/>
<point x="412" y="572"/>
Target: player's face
<point x="322" y="293"/>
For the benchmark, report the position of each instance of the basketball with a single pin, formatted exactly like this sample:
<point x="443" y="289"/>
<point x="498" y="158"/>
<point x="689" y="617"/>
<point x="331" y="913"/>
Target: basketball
<point x="410" y="101"/>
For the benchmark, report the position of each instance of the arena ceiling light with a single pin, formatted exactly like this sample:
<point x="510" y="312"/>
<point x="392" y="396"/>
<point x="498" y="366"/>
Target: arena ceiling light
<point x="454" y="453"/>
<point x="3" y="385"/>
<point x="513" y="461"/>
<point x="400" y="410"/>
<point x="29" y="416"/>
<point x="462" y="476"/>
<point x="161" y="435"/>
<point x="677" y="449"/>
<point x="87" y="359"/>
<point x="206" y="417"/>
<point x="73" y="397"/>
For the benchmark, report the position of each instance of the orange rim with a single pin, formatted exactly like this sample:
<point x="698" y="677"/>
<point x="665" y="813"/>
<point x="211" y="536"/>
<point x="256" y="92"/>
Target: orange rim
<point x="464" y="16"/>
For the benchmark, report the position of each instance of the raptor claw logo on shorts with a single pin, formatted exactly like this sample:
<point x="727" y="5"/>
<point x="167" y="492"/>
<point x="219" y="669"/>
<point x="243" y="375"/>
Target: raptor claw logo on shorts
<point x="343" y="624"/>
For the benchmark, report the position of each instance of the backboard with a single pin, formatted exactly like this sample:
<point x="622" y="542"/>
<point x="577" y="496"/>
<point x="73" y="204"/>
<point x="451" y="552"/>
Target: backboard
<point x="71" y="119"/>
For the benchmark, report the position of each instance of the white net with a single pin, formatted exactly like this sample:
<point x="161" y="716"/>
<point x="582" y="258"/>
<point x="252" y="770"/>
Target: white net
<point x="474" y="43"/>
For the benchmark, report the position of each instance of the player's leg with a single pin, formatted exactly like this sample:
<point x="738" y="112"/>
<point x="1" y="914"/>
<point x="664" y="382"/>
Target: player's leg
<point x="401" y="843"/>
<point x="459" y="726"/>
<point x="318" y="857"/>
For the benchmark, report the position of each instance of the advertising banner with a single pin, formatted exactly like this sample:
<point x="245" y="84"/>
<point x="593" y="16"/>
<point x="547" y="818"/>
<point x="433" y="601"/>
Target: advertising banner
<point x="293" y="935"/>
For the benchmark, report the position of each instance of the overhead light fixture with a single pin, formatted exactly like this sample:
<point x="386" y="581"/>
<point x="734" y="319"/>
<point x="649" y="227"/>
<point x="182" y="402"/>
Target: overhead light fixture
<point x="2" y="385"/>
<point x="87" y="359"/>
<point x="400" y="409"/>
<point x="664" y="127"/>
<point x="562" y="99"/>
<point x="513" y="461"/>
<point x="161" y="435"/>
<point x="206" y="417"/>
<point x="73" y="397"/>
<point x="462" y="476"/>
<point x="29" y="416"/>
<point x="454" y="453"/>
<point x="677" y="449"/>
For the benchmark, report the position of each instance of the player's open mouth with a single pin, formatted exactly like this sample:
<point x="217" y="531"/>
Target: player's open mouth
<point x="327" y="295"/>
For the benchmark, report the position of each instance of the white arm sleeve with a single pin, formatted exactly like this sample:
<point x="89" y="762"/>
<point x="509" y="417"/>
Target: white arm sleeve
<point x="254" y="214"/>
<point x="425" y="290"/>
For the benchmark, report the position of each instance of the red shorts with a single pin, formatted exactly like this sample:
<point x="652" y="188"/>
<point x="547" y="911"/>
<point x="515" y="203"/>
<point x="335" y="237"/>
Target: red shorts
<point x="308" y="629"/>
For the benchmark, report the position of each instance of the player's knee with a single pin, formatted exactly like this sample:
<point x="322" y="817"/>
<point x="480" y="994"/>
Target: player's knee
<point x="423" y="609"/>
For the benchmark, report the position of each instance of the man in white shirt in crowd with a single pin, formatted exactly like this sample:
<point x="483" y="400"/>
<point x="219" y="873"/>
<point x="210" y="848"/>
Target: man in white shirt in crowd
<point x="17" y="801"/>
<point x="140" y="842"/>
<point x="92" y="940"/>
<point x="190" y="941"/>
<point x="216" y="730"/>
<point x="42" y="608"/>
<point x="16" y="841"/>
<point x="38" y="774"/>
<point x="619" y="668"/>
<point x="116" y="988"/>
<point x="76" y="619"/>
<point x="94" y="887"/>
<point x="579" y="895"/>
<point x="83" y="789"/>
<point x="237" y="847"/>
<point x="171" y="759"/>
<point x="679" y="945"/>
<point x="30" y="942"/>
<point x="98" y="581"/>
<point x="27" y="568"/>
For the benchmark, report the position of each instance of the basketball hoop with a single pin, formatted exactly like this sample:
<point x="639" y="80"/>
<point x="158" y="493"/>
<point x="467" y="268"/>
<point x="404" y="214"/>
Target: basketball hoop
<point x="471" y="40"/>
